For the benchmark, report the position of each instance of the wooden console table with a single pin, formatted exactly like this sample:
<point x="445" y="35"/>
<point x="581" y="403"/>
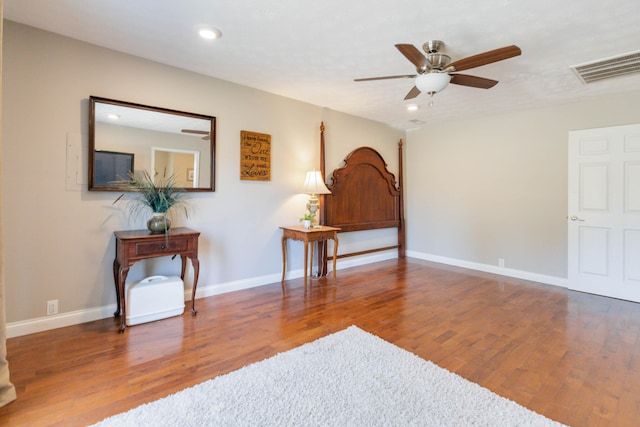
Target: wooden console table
<point x="298" y="232"/>
<point x="135" y="245"/>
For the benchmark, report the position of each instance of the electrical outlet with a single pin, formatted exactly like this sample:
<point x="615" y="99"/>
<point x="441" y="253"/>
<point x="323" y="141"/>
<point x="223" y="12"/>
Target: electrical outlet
<point x="501" y="262"/>
<point x="52" y="307"/>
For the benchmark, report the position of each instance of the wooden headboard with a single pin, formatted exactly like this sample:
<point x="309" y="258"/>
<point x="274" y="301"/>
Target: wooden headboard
<point x="364" y="196"/>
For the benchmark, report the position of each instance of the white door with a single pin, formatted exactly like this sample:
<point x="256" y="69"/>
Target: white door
<point x="604" y="211"/>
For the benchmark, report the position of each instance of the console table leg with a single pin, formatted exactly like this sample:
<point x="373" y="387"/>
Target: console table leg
<point x="122" y="277"/>
<point x="306" y="259"/>
<point x="335" y="256"/>
<point x="284" y="257"/>
<point x="183" y="268"/>
<point x="116" y="269"/>
<point x="313" y="244"/>
<point x="196" y="271"/>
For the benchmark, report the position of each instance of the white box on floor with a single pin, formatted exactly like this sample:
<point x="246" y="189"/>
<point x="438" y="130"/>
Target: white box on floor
<point x="154" y="298"/>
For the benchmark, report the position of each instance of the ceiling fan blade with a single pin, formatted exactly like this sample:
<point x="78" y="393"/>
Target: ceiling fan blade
<point x="472" y="81"/>
<point x="415" y="56"/>
<point x="198" y="132"/>
<point x="404" y="76"/>
<point x="412" y="93"/>
<point x="485" y="58"/>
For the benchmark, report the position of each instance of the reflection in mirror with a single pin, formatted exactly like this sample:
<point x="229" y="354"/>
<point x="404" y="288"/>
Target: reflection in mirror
<point x="184" y="163"/>
<point x="127" y="138"/>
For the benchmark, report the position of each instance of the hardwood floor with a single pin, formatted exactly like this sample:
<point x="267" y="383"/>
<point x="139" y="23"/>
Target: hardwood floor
<point x="570" y="356"/>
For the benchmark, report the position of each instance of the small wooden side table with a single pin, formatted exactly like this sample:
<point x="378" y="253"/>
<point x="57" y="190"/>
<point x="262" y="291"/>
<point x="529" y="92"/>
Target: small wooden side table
<point x="135" y="245"/>
<point x="319" y="234"/>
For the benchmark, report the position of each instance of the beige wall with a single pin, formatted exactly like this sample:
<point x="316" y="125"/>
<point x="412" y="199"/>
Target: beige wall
<point x="496" y="187"/>
<point x="59" y="241"/>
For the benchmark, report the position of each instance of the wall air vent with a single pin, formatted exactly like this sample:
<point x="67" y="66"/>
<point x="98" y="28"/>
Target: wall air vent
<point x="621" y="65"/>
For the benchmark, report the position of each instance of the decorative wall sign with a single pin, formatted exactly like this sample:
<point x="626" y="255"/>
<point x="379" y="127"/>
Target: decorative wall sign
<point x="255" y="156"/>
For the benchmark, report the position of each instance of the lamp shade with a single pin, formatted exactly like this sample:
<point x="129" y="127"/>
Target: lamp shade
<point x="314" y="184"/>
<point x="432" y="82"/>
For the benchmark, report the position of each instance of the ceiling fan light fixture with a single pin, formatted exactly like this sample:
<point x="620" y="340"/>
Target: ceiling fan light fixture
<point x="432" y="82"/>
<point x="210" y="33"/>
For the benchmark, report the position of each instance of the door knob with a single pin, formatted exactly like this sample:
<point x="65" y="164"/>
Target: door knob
<point x="575" y="218"/>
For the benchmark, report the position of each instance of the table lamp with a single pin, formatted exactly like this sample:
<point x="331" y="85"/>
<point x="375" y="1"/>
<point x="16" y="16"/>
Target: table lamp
<point x="314" y="185"/>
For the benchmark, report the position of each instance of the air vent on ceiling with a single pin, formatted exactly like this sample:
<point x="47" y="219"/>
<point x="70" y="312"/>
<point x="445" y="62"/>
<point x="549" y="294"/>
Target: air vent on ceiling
<point x="621" y="65"/>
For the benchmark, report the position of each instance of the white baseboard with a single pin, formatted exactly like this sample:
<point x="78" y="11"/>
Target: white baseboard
<point x="40" y="324"/>
<point x="518" y="274"/>
<point x="237" y="285"/>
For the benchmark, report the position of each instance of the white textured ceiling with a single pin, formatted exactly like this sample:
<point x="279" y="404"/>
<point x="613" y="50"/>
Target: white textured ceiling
<point x="312" y="50"/>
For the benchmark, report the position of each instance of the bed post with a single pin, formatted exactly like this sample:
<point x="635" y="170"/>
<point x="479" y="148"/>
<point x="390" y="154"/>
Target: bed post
<point x="322" y="210"/>
<point x="322" y="246"/>
<point x="401" y="233"/>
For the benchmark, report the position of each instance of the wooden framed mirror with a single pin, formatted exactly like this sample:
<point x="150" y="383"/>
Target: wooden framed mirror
<point x="127" y="138"/>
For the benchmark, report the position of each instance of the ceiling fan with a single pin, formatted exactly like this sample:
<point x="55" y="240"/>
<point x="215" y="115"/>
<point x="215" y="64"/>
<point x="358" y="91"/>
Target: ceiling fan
<point x="434" y="70"/>
<point x="198" y="132"/>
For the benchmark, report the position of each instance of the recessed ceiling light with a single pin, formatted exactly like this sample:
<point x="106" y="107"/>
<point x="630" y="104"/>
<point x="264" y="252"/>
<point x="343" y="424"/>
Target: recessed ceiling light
<point x="113" y="116"/>
<point x="210" y="33"/>
<point x="412" y="107"/>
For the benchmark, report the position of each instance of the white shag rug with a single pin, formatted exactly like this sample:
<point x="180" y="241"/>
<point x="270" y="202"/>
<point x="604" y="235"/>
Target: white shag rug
<point x="350" y="378"/>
